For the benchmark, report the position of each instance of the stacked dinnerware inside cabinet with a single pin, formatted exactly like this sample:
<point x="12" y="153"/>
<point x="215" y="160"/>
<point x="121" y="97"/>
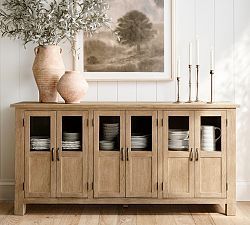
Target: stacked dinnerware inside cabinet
<point x="71" y="141"/>
<point x="39" y="143"/>
<point x="178" y="139"/>
<point x="139" y="141"/>
<point x="110" y="134"/>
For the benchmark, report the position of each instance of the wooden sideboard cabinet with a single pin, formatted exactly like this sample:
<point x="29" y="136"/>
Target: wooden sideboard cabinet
<point x="64" y="154"/>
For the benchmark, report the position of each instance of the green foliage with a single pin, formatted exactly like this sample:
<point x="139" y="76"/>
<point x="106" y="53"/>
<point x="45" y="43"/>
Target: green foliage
<point x="134" y="29"/>
<point x="159" y="3"/>
<point x="44" y="23"/>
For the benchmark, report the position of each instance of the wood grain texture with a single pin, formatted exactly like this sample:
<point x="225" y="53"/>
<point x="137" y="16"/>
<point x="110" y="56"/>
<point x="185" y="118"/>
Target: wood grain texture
<point x="231" y="162"/>
<point x="134" y="215"/>
<point x="72" y="168"/>
<point x="131" y="179"/>
<point x="109" y="200"/>
<point x="19" y="208"/>
<point x="109" y="169"/>
<point x="124" y="106"/>
<point x="40" y="170"/>
<point x="210" y="168"/>
<point x="178" y="169"/>
<point x="141" y="166"/>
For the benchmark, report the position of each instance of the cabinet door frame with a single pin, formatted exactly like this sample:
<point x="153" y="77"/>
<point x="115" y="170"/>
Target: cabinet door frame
<point x="116" y="155"/>
<point x="73" y="154"/>
<point x="47" y="155"/>
<point x="177" y="154"/>
<point x="141" y="154"/>
<point x="211" y="154"/>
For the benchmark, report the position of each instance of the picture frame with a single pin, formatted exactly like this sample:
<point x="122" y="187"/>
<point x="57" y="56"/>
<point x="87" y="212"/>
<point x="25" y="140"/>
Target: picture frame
<point x="165" y="67"/>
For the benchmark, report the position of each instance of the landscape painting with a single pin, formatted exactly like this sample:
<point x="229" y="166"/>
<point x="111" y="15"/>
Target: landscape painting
<point x="140" y="48"/>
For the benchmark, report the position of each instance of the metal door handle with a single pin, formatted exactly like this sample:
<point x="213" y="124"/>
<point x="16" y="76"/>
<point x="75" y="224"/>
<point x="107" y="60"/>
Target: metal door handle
<point x="122" y="153"/>
<point x="196" y="154"/>
<point x="57" y="154"/>
<point x="127" y="155"/>
<point x="53" y="152"/>
<point x="191" y="155"/>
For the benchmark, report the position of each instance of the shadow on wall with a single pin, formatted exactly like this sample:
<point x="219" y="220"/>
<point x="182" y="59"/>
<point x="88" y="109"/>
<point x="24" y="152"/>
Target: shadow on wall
<point x="242" y="84"/>
<point x="224" y="87"/>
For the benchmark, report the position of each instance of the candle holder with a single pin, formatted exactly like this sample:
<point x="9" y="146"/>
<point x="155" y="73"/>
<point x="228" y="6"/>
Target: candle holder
<point x="197" y="100"/>
<point x="211" y="94"/>
<point x="190" y="84"/>
<point x="178" y="90"/>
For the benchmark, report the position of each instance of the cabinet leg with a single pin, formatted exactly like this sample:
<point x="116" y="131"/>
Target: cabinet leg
<point x="19" y="208"/>
<point x="230" y="209"/>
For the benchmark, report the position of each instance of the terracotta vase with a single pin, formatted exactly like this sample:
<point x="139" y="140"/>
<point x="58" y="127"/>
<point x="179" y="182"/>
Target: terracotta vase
<point x="72" y="87"/>
<point x="48" y="67"/>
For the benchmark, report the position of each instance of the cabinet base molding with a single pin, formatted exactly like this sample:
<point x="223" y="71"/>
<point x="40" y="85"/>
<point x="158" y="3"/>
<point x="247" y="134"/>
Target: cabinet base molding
<point x="123" y="201"/>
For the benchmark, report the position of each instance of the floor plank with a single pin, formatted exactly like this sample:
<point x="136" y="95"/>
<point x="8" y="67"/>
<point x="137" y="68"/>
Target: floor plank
<point x="182" y="215"/>
<point x="118" y="215"/>
<point x="127" y="215"/>
<point x="90" y="215"/>
<point x="164" y="215"/>
<point x="200" y="215"/>
<point x="217" y="214"/>
<point x="5" y="209"/>
<point x="108" y="215"/>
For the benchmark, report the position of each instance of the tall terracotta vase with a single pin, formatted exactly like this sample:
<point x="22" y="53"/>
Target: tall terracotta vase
<point x="72" y="87"/>
<point x="48" y="67"/>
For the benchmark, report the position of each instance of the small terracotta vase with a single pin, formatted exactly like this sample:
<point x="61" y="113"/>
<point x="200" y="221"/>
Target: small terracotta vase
<point x="48" y="67"/>
<point x="72" y="87"/>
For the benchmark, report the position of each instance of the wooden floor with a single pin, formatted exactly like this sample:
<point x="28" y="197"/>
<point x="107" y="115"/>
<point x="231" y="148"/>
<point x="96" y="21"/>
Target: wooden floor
<point x="117" y="215"/>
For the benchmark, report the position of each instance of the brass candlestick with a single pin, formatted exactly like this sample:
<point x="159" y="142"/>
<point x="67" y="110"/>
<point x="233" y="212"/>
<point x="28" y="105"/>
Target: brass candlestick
<point x="211" y="94"/>
<point x="178" y="90"/>
<point x="190" y="84"/>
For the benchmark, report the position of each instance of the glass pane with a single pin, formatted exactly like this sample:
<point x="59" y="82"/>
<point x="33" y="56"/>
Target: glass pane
<point x="72" y="133"/>
<point x="178" y="133"/>
<point x="210" y="133"/>
<point x="141" y="131"/>
<point x="40" y="133"/>
<point x="109" y="133"/>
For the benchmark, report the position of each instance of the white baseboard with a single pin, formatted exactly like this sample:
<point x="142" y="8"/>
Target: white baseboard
<point x="7" y="190"/>
<point x="243" y="190"/>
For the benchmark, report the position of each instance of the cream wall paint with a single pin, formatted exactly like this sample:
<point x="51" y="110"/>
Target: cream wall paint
<point x="223" y="24"/>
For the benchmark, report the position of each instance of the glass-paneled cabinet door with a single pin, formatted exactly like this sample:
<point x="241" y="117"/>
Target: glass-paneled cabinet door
<point x="210" y="154"/>
<point x="40" y="144"/>
<point x="72" y="153"/>
<point x="178" y="154"/>
<point x="141" y="154"/>
<point x="109" y="154"/>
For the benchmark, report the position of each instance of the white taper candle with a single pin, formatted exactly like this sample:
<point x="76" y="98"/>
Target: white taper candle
<point x="212" y="59"/>
<point x="197" y="51"/>
<point x="190" y="53"/>
<point x="178" y="67"/>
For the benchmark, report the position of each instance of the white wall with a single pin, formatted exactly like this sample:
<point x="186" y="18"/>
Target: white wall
<point x="224" y="24"/>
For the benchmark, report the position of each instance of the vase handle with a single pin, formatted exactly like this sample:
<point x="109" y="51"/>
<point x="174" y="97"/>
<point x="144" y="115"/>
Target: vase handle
<point x="36" y="49"/>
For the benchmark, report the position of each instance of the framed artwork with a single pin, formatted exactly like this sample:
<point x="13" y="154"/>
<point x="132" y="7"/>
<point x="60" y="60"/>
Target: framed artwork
<point x="146" y="50"/>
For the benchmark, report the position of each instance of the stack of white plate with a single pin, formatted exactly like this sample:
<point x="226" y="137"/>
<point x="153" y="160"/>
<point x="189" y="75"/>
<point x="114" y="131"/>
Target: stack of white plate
<point x="110" y="131"/>
<point x="39" y="143"/>
<point x="71" y="141"/>
<point x="178" y="139"/>
<point x="70" y="136"/>
<point x="107" y="145"/>
<point x="139" y="141"/>
<point x="71" y="145"/>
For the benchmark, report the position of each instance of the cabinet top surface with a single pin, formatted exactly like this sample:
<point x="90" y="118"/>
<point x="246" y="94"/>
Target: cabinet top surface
<point x="122" y="105"/>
